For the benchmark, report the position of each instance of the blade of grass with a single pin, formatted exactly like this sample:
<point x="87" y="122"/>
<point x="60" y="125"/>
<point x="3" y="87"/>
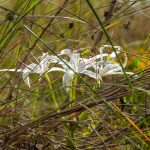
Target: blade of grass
<point x="132" y="123"/>
<point x="109" y="39"/>
<point x="13" y="29"/>
<point x="89" y="86"/>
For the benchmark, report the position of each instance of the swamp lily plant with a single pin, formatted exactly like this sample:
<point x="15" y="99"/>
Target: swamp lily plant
<point x="76" y="65"/>
<point x="40" y="68"/>
<point x="102" y="64"/>
<point x="109" y="66"/>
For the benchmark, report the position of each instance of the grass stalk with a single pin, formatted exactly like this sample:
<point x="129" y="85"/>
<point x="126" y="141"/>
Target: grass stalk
<point x="52" y="94"/>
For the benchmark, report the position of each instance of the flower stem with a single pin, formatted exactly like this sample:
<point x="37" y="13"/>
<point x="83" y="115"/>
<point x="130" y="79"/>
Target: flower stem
<point x="72" y="92"/>
<point x="51" y="92"/>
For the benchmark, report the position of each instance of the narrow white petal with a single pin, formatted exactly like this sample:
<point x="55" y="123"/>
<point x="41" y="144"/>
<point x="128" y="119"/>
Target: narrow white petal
<point x="32" y="67"/>
<point x="11" y="70"/>
<point x="53" y="59"/>
<point x="74" y="61"/>
<point x="63" y="64"/>
<point x="129" y="73"/>
<point x="109" y="68"/>
<point x="67" y="79"/>
<point x="91" y="74"/>
<point x="99" y="56"/>
<point x="56" y="69"/>
<point x="44" y="62"/>
<point x="66" y="52"/>
<point x="85" y="64"/>
<point x="113" y="54"/>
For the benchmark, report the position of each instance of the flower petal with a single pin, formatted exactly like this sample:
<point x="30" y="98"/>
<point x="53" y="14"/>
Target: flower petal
<point x="113" y="54"/>
<point x="91" y="74"/>
<point x="44" y="62"/>
<point x="56" y="69"/>
<point x="67" y="79"/>
<point x="74" y="61"/>
<point x="66" y="52"/>
<point x="63" y="64"/>
<point x="11" y="70"/>
<point x="33" y="68"/>
<point x="129" y="73"/>
<point x="109" y="68"/>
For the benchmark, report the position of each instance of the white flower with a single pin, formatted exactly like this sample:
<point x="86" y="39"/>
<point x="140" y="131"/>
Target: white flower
<point x="104" y="64"/>
<point x="112" y="55"/>
<point x="40" y="68"/>
<point x="76" y="65"/>
<point x="109" y="66"/>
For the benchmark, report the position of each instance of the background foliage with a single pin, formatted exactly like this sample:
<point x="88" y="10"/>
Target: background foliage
<point x="28" y="116"/>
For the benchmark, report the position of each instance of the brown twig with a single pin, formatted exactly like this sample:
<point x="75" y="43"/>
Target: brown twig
<point x="98" y="35"/>
<point x="16" y="132"/>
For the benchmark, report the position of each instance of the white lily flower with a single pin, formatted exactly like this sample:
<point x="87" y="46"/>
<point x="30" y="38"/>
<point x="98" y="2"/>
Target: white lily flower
<point x="66" y="52"/>
<point x="76" y="65"/>
<point x="25" y="72"/>
<point x="40" y="68"/>
<point x="87" y="63"/>
<point x="112" y="55"/>
<point x="106" y="67"/>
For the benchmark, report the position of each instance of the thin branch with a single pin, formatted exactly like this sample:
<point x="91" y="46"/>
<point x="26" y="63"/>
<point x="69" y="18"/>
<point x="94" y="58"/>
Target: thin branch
<point x="98" y="36"/>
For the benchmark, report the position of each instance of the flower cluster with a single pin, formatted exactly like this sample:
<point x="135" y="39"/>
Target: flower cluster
<point x="101" y="65"/>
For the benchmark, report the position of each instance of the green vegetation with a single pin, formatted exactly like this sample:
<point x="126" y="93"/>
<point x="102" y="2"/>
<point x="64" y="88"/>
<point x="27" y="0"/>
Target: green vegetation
<point x="74" y="75"/>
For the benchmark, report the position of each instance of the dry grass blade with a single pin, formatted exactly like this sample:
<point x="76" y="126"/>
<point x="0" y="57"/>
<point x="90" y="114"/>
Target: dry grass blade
<point x="110" y="93"/>
<point x="96" y="110"/>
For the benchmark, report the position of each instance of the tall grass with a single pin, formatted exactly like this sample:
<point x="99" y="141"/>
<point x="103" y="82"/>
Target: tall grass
<point x="112" y="115"/>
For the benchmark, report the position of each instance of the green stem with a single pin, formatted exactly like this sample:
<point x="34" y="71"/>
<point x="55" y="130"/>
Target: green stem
<point x="72" y="92"/>
<point x="36" y="93"/>
<point x="109" y="39"/>
<point x="87" y="84"/>
<point x="75" y="86"/>
<point x="51" y="92"/>
<point x="71" y="127"/>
